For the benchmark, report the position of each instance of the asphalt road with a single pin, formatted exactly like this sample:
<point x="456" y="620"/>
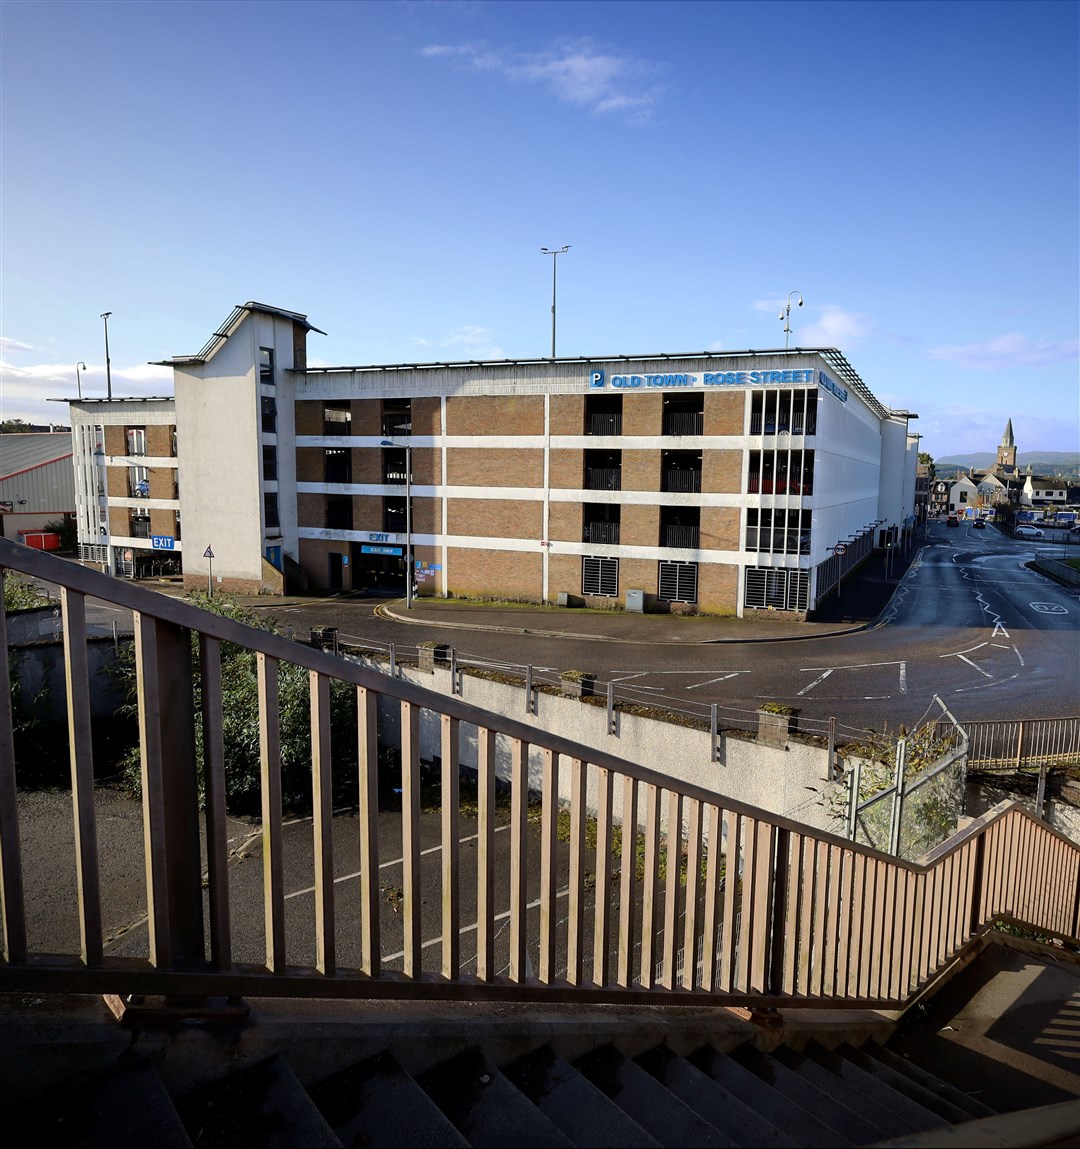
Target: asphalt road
<point x="969" y="622"/>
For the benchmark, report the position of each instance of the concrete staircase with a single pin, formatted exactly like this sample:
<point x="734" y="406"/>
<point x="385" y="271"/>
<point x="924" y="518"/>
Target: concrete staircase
<point x="816" y="1097"/>
<point x="367" y="1073"/>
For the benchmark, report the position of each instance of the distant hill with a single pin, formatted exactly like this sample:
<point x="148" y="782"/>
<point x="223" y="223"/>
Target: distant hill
<point x="1041" y="462"/>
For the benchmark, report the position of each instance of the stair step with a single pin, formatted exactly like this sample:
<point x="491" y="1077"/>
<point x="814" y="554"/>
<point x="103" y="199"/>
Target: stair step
<point x="883" y="1123"/>
<point x="658" y="1111"/>
<point x="708" y="1098"/>
<point x="923" y="1077"/>
<point x="783" y="1110"/>
<point x="263" y="1106"/>
<point x="574" y="1104"/>
<point x="129" y="1106"/>
<point x="485" y="1106"/>
<point x="843" y="1121"/>
<point x="377" y="1103"/>
<point x="917" y="1117"/>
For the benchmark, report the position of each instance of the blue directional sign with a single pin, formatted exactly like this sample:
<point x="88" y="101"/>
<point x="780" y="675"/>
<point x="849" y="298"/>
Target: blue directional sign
<point x="163" y="542"/>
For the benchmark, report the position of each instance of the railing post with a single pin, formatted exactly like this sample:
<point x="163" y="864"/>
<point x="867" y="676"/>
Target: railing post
<point x="393" y="661"/>
<point x="830" y="768"/>
<point x="714" y="748"/>
<point x="854" y="787"/>
<point x="1019" y="746"/>
<point x="898" y="797"/>
<point x="1040" y="797"/>
<point x="611" y="707"/>
<point x="778" y="934"/>
<point x="978" y="882"/>
<point x="453" y="672"/>
<point x="170" y="791"/>
<point x="529" y="690"/>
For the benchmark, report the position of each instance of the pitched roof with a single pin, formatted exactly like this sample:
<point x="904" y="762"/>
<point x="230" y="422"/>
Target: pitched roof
<point x="236" y="316"/>
<point x="20" y="453"/>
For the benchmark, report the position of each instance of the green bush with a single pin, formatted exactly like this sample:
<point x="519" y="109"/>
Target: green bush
<point x="240" y="721"/>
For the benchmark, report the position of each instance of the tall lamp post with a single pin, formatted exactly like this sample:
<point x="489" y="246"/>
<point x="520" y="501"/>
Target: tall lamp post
<point x="554" y="253"/>
<point x="408" y="519"/>
<point x="108" y="367"/>
<point x="78" y="377"/>
<point x="785" y="315"/>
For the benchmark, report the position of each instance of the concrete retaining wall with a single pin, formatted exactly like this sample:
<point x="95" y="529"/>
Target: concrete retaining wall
<point x="791" y="782"/>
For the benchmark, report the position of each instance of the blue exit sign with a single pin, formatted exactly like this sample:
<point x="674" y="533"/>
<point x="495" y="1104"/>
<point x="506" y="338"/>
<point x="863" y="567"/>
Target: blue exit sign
<point x="163" y="542"/>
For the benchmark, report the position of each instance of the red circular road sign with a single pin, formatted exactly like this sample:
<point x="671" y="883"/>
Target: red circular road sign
<point x="839" y="549"/>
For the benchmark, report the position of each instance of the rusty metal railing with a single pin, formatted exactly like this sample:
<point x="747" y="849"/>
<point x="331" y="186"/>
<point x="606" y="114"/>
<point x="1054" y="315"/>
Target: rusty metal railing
<point x="616" y="884"/>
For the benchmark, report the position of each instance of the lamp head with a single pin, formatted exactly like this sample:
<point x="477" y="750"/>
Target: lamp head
<point x="106" y="314"/>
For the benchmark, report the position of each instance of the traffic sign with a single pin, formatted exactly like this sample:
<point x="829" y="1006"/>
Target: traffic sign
<point x="208" y="553"/>
<point x="839" y="549"/>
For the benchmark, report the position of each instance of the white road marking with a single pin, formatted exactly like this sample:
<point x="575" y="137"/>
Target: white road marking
<point x="903" y="678"/>
<point x="382" y="865"/>
<point x="722" y="678"/>
<point x="820" y="678"/>
<point x="1048" y="608"/>
<point x="984" y="673"/>
<point x="961" y="653"/>
<point x="1019" y="656"/>
<point x="999" y="629"/>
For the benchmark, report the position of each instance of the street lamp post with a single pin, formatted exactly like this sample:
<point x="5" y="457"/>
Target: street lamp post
<point x="554" y="253"/>
<point x="408" y="520"/>
<point x="78" y="377"/>
<point x="108" y="363"/>
<point x="785" y="315"/>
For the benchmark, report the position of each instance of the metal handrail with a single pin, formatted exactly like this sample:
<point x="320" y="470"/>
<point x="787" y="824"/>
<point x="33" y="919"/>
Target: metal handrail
<point x="823" y="921"/>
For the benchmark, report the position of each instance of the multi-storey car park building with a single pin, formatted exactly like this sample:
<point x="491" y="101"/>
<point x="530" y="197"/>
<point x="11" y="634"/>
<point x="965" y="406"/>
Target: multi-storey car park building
<point x="719" y="481"/>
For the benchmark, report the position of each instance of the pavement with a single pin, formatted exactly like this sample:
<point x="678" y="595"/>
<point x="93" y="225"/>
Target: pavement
<point x="863" y="598"/>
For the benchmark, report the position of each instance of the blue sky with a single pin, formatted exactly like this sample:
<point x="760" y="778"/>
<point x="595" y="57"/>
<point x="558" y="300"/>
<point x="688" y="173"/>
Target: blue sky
<point x="393" y="169"/>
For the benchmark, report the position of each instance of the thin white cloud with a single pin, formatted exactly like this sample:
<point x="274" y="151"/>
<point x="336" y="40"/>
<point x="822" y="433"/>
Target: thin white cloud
<point x="577" y="72"/>
<point x="10" y="345"/>
<point x="1007" y="352"/>
<point x="469" y="342"/>
<point x="835" y="327"/>
<point x="832" y="326"/>
<point x="26" y="391"/>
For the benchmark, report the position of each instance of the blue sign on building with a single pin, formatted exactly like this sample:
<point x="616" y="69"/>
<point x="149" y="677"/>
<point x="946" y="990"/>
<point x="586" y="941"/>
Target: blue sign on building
<point x="380" y="550"/>
<point x="163" y="542"/>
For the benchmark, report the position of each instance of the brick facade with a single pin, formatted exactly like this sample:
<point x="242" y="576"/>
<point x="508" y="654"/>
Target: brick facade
<point x="494" y="415"/>
<point x="510" y="574"/>
<point x="494" y="467"/>
<point x="567" y="414"/>
<point x="496" y="518"/>
<point x="725" y="412"/>
<point x="721" y="472"/>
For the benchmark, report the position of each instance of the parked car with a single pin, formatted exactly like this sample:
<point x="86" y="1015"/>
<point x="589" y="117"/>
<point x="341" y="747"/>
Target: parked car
<point x="979" y="525"/>
<point x="1028" y="533"/>
<point x="952" y="521"/>
<point x="1075" y="531"/>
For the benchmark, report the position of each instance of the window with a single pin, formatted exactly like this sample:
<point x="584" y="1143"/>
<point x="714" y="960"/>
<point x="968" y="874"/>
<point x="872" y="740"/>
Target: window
<point x="603" y="414"/>
<point x="678" y="582"/>
<point x="337" y="418"/>
<point x="270" y="511"/>
<point x="269" y="415"/>
<point x="603" y="471"/>
<point x="778" y="531"/>
<point x="172" y="442"/>
<point x="395" y="519"/>
<point x="337" y="466"/>
<point x="266" y="366"/>
<point x="140" y="524"/>
<point x="963" y="496"/>
<point x="138" y="483"/>
<point x="176" y="527"/>
<point x="338" y="513"/>
<point x="680" y="471"/>
<point x="600" y="576"/>
<point x="684" y="414"/>
<point x="783" y="412"/>
<point x="394" y="462"/>
<point x="780" y="472"/>
<point x="600" y="522"/>
<point x="396" y="417"/>
<point x="680" y="526"/>
<point x="779" y="589"/>
<point x="136" y="440"/>
<point x="269" y="463"/>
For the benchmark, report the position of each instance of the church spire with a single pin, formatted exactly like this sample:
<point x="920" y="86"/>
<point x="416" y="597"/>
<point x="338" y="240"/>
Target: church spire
<point x="1006" y="452"/>
<point x="1007" y="438"/>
